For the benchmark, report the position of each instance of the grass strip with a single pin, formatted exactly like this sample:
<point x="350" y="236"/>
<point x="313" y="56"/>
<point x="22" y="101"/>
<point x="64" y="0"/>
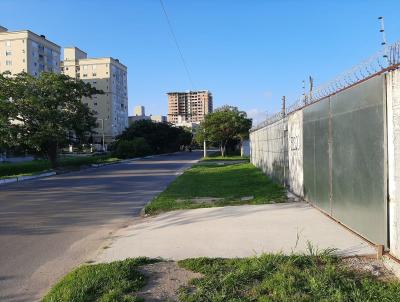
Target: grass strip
<point x="225" y="158"/>
<point x="276" y="277"/>
<point x="229" y="184"/>
<point x="105" y="282"/>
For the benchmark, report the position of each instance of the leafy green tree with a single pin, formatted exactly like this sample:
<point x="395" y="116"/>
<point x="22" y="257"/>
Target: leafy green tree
<point x="132" y="148"/>
<point x="44" y="114"/>
<point x="161" y="137"/>
<point x="223" y="125"/>
<point x="200" y="135"/>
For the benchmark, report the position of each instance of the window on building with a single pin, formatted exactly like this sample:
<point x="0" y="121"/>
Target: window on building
<point x="94" y="74"/>
<point x="94" y="67"/>
<point x="8" y="63"/>
<point x="8" y="43"/>
<point x="84" y="75"/>
<point x="8" y="53"/>
<point x="84" y="67"/>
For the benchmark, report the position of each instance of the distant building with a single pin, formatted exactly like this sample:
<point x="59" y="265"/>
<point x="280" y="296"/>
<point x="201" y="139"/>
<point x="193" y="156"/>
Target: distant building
<point x="106" y="74"/>
<point x="182" y="123"/>
<point x="139" y="114"/>
<point x="139" y="111"/>
<point x="158" y="118"/>
<point x="25" y="51"/>
<point x="189" y="106"/>
<point x="134" y="118"/>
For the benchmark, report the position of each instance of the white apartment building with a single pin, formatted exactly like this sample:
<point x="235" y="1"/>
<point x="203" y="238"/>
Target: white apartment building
<point x="105" y="74"/>
<point x="25" y="51"/>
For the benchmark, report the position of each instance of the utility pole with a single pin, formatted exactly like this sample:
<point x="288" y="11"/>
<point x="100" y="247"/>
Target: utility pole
<point x="204" y="144"/>
<point x="102" y="130"/>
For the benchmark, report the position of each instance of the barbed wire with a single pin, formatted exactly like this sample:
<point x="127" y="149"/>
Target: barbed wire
<point x="385" y="59"/>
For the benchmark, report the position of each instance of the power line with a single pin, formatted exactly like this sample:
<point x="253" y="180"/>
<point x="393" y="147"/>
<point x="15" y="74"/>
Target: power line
<point x="177" y="44"/>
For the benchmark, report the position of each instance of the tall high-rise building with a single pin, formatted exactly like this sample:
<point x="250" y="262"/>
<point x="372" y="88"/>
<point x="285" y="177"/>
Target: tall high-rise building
<point x="189" y="106"/>
<point x="25" y="51"/>
<point x="108" y="75"/>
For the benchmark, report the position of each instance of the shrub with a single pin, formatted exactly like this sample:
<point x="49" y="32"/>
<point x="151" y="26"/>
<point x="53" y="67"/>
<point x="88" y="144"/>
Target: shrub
<point x="161" y="137"/>
<point x="132" y="148"/>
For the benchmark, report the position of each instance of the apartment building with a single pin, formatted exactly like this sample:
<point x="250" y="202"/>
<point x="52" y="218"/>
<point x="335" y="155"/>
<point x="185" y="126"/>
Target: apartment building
<point x="189" y="106"/>
<point x="108" y="75"/>
<point x="25" y="51"/>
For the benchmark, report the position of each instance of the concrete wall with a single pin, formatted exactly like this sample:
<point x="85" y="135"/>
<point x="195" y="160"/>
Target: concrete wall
<point x="334" y="154"/>
<point x="269" y="150"/>
<point x="393" y="130"/>
<point x="295" y="152"/>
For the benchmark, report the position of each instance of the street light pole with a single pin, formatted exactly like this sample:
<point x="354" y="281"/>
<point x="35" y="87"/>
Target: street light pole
<point x="204" y="144"/>
<point x="102" y="130"/>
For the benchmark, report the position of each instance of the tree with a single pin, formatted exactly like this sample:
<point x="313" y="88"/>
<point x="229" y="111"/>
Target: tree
<point x="161" y="137"/>
<point x="225" y="124"/>
<point x="44" y="114"/>
<point x="132" y="148"/>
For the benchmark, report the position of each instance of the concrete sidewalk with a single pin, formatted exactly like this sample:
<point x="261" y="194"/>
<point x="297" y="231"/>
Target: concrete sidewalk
<point x="234" y="231"/>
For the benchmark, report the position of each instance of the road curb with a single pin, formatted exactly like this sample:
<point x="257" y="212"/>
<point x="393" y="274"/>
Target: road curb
<point x="130" y="159"/>
<point x="177" y="173"/>
<point x="5" y="181"/>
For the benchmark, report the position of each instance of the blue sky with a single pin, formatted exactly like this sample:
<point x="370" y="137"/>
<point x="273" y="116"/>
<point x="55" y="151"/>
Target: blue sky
<point x="248" y="53"/>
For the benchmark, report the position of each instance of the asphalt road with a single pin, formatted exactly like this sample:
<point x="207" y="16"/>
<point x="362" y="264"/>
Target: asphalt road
<point x="48" y="226"/>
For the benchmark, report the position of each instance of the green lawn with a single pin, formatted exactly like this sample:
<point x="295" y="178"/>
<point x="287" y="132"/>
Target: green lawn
<point x="318" y="276"/>
<point x="230" y="182"/>
<point x="106" y="282"/>
<point x="273" y="277"/>
<point x="216" y="156"/>
<point x="37" y="166"/>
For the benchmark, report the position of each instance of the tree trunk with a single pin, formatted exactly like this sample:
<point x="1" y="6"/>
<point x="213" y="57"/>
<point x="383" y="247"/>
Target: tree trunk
<point x="52" y="155"/>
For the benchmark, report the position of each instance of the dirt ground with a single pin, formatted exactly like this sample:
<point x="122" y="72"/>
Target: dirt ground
<point x="369" y="265"/>
<point x="165" y="279"/>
